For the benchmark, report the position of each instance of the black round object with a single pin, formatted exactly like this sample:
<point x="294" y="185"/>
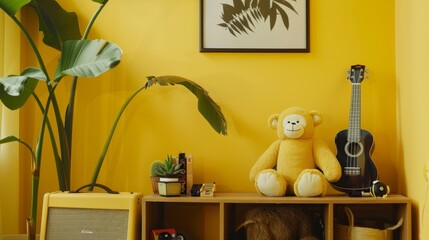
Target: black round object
<point x="379" y="189"/>
<point x="164" y="236"/>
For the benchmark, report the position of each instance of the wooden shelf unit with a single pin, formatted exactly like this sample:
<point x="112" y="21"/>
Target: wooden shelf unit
<point x="216" y="218"/>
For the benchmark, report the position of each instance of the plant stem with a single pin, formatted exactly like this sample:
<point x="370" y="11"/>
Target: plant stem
<point x="34" y="201"/>
<point x="68" y="121"/>
<point x="38" y="154"/>
<point x="58" y="163"/>
<point x="64" y="146"/>
<point x="91" y="22"/>
<point x="32" y="45"/>
<point x="109" y="138"/>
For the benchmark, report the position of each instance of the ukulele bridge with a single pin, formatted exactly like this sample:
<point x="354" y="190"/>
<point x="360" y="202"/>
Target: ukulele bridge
<point x="352" y="171"/>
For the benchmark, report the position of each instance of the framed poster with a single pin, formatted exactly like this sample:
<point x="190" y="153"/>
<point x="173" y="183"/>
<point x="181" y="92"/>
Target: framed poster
<point x="254" y="26"/>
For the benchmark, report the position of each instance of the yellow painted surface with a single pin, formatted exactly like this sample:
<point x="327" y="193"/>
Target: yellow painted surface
<point x="162" y="37"/>
<point x="248" y="86"/>
<point x="9" y="154"/>
<point x="412" y="38"/>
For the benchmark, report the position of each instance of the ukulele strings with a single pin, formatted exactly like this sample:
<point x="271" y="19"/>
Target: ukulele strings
<point x="354" y="138"/>
<point x="352" y="120"/>
<point x="356" y="145"/>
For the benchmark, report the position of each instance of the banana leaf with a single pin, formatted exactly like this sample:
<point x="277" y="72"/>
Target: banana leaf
<point x="87" y="58"/>
<point x="206" y="105"/>
<point x="11" y="7"/>
<point x="16" y="90"/>
<point x="56" y="24"/>
<point x="12" y="138"/>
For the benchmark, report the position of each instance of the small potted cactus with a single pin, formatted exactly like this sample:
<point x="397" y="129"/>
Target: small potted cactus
<point x="164" y="177"/>
<point x="154" y="177"/>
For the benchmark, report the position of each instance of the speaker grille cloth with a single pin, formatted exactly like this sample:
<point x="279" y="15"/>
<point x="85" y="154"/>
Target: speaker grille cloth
<point x="86" y="224"/>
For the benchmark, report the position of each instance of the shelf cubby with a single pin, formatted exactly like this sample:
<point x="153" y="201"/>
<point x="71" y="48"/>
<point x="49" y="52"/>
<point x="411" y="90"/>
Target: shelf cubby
<point x="216" y="218"/>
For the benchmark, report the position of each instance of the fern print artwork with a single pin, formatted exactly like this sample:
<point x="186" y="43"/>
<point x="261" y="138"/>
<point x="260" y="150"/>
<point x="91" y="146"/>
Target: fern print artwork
<point x="241" y="17"/>
<point x="254" y="25"/>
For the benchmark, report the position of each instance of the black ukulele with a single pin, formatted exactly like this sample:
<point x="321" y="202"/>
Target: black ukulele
<point x="355" y="145"/>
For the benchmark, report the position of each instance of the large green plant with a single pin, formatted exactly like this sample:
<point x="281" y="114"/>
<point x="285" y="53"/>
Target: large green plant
<point x="79" y="57"/>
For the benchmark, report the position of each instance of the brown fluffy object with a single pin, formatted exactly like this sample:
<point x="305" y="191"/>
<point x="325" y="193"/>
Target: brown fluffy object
<point x="280" y="222"/>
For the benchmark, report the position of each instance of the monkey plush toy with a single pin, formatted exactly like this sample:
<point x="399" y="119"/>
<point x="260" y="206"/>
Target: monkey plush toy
<point x="278" y="222"/>
<point x="296" y="163"/>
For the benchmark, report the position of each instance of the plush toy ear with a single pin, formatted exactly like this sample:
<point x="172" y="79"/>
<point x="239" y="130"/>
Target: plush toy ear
<point x="317" y="117"/>
<point x="273" y="121"/>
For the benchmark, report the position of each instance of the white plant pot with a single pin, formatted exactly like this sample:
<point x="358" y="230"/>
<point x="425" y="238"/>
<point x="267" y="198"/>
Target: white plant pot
<point x="169" y="187"/>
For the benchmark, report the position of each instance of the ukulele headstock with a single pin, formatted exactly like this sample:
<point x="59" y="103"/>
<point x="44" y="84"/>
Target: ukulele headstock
<point x="356" y="74"/>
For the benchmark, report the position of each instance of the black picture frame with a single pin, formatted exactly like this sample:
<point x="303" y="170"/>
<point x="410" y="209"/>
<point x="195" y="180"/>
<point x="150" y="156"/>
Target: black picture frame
<point x="254" y="26"/>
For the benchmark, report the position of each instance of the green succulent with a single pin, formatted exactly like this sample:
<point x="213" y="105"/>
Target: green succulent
<point x="167" y="168"/>
<point x="155" y="167"/>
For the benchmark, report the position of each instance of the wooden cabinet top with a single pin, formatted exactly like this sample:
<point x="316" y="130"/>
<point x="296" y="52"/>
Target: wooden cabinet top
<point x="257" y="198"/>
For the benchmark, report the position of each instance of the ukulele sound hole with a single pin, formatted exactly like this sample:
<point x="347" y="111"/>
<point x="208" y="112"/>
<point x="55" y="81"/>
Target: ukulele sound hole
<point x="353" y="149"/>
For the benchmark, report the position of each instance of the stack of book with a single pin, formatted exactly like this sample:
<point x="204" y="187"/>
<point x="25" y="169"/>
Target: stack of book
<point x="187" y="177"/>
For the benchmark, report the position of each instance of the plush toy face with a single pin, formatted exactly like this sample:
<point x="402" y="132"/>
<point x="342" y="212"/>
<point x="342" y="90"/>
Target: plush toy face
<point x="295" y="123"/>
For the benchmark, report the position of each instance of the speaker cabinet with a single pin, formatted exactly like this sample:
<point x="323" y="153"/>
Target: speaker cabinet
<point x="91" y="216"/>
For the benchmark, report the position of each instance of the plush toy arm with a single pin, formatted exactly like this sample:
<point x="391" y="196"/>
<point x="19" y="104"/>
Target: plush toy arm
<point x="326" y="161"/>
<point x="266" y="161"/>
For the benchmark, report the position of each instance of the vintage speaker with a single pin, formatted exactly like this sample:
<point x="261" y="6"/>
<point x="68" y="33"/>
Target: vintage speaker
<point x="91" y="216"/>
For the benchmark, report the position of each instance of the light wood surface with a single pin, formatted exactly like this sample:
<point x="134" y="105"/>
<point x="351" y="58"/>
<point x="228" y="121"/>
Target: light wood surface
<point x="215" y="218"/>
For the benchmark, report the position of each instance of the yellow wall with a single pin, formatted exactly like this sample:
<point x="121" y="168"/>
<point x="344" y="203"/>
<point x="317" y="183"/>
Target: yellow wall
<point x="9" y="154"/>
<point x="161" y="37"/>
<point x="412" y="37"/>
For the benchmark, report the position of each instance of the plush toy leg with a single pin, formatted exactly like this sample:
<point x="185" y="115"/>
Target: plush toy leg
<point x="310" y="183"/>
<point x="268" y="182"/>
<point x="332" y="191"/>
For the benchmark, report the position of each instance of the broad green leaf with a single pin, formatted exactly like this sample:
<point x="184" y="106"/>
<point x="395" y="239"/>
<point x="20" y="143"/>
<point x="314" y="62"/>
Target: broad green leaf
<point x="12" y="138"/>
<point x="206" y="106"/>
<point x="11" y="7"/>
<point x="68" y="120"/>
<point x="101" y="1"/>
<point x="16" y="90"/>
<point x="9" y="139"/>
<point x="56" y="24"/>
<point x="35" y="73"/>
<point x="87" y="58"/>
<point x="13" y="85"/>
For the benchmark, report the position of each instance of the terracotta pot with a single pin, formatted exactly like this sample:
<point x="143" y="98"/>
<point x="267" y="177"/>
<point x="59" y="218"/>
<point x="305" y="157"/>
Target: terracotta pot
<point x="154" y="181"/>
